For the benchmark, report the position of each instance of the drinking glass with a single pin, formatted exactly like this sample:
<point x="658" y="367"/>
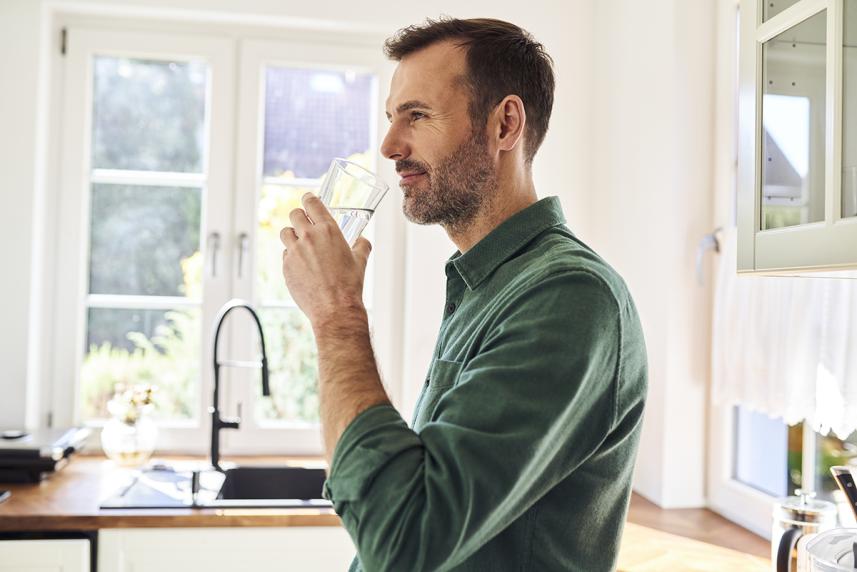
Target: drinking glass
<point x="351" y="194"/>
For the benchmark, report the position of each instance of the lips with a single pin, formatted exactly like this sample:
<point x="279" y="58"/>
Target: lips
<point x="409" y="177"/>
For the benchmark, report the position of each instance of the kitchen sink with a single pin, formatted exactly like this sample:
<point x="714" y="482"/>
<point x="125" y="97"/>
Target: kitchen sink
<point x="238" y="487"/>
<point x="254" y="483"/>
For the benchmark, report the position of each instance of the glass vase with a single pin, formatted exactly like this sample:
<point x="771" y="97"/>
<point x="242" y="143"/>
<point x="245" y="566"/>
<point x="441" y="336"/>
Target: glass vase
<point x="129" y="444"/>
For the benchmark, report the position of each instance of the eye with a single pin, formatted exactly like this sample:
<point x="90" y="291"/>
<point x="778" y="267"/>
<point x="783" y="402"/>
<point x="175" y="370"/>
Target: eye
<point x="417" y="115"/>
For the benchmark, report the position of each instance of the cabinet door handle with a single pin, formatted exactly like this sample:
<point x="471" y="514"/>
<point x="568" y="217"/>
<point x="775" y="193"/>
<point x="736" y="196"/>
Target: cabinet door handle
<point x="243" y="248"/>
<point x="214" y="247"/>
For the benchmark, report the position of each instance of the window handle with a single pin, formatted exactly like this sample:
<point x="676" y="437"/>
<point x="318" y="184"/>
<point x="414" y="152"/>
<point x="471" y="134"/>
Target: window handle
<point x="708" y="242"/>
<point x="243" y="248"/>
<point x="213" y="247"/>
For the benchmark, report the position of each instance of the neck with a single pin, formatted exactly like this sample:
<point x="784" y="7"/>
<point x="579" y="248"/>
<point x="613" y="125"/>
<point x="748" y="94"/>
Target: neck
<point x="514" y="193"/>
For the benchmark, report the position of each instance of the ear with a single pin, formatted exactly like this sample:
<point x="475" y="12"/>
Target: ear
<point x="511" y="121"/>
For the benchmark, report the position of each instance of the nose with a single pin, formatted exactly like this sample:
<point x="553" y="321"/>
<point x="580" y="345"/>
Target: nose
<point x="395" y="146"/>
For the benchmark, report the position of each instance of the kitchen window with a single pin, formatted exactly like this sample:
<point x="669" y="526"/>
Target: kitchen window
<point x="181" y="156"/>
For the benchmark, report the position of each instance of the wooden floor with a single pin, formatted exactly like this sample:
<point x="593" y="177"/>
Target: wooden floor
<point x="699" y="524"/>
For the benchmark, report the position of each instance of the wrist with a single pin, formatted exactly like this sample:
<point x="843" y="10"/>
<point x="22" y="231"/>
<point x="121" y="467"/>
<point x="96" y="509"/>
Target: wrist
<point x="342" y="320"/>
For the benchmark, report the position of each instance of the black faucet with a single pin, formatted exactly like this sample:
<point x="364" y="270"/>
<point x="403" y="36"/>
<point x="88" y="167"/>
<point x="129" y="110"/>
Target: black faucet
<point x="216" y="422"/>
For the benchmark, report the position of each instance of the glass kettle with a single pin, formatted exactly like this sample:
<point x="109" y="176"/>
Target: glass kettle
<point x="830" y="551"/>
<point x="795" y="519"/>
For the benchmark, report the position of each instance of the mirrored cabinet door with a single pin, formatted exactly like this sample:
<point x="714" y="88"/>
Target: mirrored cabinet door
<point x="849" y="110"/>
<point x="793" y="125"/>
<point x="798" y="136"/>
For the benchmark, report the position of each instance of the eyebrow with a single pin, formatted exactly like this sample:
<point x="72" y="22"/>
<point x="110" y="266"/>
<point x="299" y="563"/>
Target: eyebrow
<point x="412" y="104"/>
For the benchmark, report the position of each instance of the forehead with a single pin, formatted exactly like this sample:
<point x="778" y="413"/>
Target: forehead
<point x="432" y="74"/>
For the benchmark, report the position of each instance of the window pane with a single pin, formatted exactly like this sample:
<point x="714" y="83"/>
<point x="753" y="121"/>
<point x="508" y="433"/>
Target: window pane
<point x="293" y="368"/>
<point x="831" y="451"/>
<point x="793" y="119"/>
<point x="130" y="347"/>
<point x="849" y="112"/>
<point x="312" y="116"/>
<point x="148" y="115"/>
<point x="771" y="8"/>
<point x="145" y="241"/>
<point x="762" y="449"/>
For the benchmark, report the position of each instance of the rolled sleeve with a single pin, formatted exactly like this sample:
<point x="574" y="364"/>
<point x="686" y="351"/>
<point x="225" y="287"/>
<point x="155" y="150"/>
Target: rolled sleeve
<point x="372" y="439"/>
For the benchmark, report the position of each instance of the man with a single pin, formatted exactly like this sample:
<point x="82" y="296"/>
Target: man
<point x="523" y="441"/>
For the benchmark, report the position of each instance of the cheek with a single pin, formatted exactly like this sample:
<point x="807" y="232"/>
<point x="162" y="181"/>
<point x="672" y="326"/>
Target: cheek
<point x="430" y="148"/>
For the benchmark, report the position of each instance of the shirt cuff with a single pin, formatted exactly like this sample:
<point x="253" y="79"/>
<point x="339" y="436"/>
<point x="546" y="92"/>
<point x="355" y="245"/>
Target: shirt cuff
<point x="362" y="450"/>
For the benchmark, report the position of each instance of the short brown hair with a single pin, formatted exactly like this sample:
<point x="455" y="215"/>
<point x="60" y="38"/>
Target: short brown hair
<point x="502" y="59"/>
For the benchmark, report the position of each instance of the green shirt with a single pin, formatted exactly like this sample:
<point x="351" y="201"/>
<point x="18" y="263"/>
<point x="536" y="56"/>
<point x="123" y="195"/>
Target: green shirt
<point x="523" y="440"/>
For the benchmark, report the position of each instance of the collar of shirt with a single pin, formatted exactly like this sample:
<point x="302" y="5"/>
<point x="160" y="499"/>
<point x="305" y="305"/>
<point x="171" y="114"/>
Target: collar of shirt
<point x="506" y="239"/>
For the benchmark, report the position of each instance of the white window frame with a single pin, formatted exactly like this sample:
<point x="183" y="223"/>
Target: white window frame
<point x="255" y="437"/>
<point x="224" y="44"/>
<point x="824" y="245"/>
<point x="72" y="261"/>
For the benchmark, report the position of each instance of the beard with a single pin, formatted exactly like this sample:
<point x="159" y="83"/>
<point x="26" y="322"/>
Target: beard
<point x="458" y="189"/>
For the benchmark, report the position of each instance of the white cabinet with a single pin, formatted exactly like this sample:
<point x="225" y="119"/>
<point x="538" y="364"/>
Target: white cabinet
<point x="288" y="549"/>
<point x="44" y="555"/>
<point x="797" y="192"/>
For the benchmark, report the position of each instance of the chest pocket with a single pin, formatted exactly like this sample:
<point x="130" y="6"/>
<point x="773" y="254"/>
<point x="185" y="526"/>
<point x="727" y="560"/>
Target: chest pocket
<point x="442" y="376"/>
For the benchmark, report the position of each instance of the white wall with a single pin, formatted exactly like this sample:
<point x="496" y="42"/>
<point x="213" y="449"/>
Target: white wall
<point x="651" y="205"/>
<point x="19" y="62"/>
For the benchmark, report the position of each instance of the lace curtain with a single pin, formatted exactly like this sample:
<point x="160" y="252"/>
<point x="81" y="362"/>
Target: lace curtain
<point x="785" y="346"/>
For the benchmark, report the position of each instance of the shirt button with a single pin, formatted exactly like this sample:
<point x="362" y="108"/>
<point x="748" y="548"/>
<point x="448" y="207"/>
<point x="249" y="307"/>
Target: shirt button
<point x="450" y="308"/>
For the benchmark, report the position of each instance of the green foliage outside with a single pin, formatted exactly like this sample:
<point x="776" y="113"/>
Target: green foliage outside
<point x="830" y="451"/>
<point x="170" y="358"/>
<point x="149" y="116"/>
<point x="291" y="345"/>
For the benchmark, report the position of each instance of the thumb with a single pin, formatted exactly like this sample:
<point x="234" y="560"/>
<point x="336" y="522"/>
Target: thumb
<point x="362" y="248"/>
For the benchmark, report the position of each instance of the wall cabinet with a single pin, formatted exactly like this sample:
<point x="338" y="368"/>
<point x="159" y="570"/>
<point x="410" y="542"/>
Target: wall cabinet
<point x="304" y="549"/>
<point x="44" y="555"/>
<point x="797" y="189"/>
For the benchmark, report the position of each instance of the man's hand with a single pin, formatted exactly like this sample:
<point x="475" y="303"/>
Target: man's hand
<point x="323" y="275"/>
<point x="325" y="278"/>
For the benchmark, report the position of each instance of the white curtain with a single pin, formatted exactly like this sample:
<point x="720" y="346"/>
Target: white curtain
<point x="785" y="346"/>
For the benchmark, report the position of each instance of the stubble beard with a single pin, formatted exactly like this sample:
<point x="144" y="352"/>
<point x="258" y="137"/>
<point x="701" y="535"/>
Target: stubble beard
<point x="462" y="186"/>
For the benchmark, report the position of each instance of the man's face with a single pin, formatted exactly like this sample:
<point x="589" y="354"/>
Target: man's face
<point x="446" y="168"/>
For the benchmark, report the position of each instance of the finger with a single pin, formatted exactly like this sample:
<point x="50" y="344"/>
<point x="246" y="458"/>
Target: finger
<point x="299" y="221"/>
<point x="288" y="236"/>
<point x="315" y="209"/>
<point x="362" y="247"/>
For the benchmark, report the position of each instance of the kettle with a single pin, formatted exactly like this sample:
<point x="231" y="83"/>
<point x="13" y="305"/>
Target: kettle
<point x="834" y="550"/>
<point x="795" y="517"/>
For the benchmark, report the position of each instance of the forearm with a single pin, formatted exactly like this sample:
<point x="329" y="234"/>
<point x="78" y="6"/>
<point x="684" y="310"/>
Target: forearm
<point x="349" y="382"/>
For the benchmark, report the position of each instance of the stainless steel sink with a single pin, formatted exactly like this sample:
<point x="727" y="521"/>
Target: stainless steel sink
<point x="238" y="487"/>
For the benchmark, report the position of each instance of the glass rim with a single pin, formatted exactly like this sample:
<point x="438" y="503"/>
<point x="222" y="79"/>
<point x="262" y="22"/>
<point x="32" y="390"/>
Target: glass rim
<point x="375" y="181"/>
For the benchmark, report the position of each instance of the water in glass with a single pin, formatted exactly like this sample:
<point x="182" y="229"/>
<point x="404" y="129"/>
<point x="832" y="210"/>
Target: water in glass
<point x="351" y="221"/>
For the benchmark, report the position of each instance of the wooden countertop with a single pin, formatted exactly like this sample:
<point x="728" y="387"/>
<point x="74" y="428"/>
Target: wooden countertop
<point x="69" y="500"/>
